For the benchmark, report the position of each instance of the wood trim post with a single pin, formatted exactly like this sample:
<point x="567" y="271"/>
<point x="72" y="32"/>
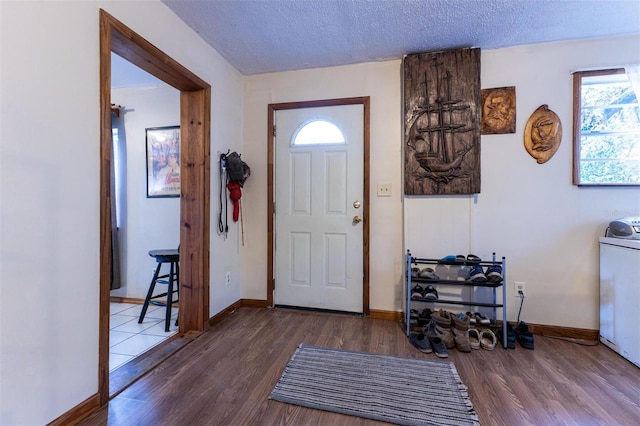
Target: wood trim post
<point x="194" y="209"/>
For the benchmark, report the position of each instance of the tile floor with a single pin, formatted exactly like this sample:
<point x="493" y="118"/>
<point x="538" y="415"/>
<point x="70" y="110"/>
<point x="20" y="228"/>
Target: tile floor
<point x="128" y="339"/>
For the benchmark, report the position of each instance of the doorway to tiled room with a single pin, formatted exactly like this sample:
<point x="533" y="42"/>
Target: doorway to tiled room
<point x="143" y="102"/>
<point x="195" y="128"/>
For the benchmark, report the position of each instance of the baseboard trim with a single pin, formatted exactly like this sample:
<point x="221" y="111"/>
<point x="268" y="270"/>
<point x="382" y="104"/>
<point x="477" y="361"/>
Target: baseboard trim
<point x="539" y="329"/>
<point x="556" y="331"/>
<point x="79" y="412"/>
<point x="254" y="303"/>
<point x="567" y="332"/>
<point x="386" y="315"/>
<point x="120" y="299"/>
<point x="224" y="313"/>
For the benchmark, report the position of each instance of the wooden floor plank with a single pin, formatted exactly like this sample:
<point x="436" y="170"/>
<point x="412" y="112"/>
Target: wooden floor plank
<point x="224" y="376"/>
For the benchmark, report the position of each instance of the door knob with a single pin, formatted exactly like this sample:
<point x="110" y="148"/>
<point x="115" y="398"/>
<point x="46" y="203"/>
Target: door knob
<point x="356" y="204"/>
<point x="357" y="219"/>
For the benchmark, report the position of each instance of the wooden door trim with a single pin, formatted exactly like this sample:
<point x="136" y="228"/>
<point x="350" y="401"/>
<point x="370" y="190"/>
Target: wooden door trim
<point x="195" y="124"/>
<point x="271" y="111"/>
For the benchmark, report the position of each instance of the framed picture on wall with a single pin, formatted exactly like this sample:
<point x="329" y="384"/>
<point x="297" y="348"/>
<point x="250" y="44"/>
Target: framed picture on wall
<point x="163" y="161"/>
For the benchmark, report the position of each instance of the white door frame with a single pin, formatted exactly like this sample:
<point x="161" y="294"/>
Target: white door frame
<point x="272" y="108"/>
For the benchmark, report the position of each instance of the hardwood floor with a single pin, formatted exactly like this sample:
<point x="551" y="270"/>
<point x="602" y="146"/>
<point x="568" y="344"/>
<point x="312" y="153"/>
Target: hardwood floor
<point x="225" y="376"/>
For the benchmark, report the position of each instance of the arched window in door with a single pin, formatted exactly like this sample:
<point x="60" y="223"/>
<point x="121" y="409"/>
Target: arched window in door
<point x="318" y="132"/>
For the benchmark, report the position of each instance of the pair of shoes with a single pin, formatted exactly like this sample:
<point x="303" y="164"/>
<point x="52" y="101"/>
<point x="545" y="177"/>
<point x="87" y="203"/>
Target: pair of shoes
<point x="460" y="259"/>
<point x="440" y="326"/>
<point x="488" y="340"/>
<point x="524" y="336"/>
<point x="493" y="274"/>
<point x="428" y="293"/>
<point x="429" y="274"/>
<point x="421" y="342"/>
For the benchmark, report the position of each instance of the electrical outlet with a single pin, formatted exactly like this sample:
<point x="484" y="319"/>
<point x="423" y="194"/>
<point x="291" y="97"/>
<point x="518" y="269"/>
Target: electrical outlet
<point x="227" y="278"/>
<point x="384" y="190"/>
<point x="520" y="286"/>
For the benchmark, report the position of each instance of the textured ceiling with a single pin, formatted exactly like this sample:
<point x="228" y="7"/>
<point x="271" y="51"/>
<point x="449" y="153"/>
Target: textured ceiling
<point x="259" y="36"/>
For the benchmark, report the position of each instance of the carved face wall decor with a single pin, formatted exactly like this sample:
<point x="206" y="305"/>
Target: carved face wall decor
<point x="543" y="134"/>
<point x="498" y="110"/>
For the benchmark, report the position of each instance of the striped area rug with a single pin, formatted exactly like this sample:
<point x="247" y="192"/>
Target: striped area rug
<point x="405" y="391"/>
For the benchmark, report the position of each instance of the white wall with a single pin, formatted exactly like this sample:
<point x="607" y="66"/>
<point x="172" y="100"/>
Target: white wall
<point x="530" y="213"/>
<point x="381" y="81"/>
<point x="146" y="223"/>
<point x="49" y="195"/>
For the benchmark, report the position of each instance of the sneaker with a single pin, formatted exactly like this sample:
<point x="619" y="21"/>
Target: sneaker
<point x="429" y="274"/>
<point x="430" y="293"/>
<point x="417" y="292"/>
<point x="463" y="273"/>
<point x="461" y="338"/>
<point x="439" y="348"/>
<point x="448" y="259"/>
<point x="415" y="272"/>
<point x="524" y="336"/>
<point x="488" y="340"/>
<point x="424" y="317"/>
<point x="511" y="337"/>
<point x="477" y="274"/>
<point x="494" y="274"/>
<point x="421" y="342"/>
<point x="481" y="319"/>
<point x="413" y="315"/>
<point x="472" y="258"/>
<point x="460" y="330"/>
<point x="474" y="338"/>
<point x="440" y="326"/>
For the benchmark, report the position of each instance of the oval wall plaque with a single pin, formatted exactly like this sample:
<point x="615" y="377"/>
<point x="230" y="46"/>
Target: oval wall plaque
<point x="542" y="134"/>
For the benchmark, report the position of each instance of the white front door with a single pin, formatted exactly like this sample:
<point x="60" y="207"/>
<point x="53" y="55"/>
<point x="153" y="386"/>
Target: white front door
<point x="318" y="193"/>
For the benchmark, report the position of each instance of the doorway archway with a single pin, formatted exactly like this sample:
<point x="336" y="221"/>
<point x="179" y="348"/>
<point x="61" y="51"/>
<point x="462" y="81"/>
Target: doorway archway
<point x="195" y="129"/>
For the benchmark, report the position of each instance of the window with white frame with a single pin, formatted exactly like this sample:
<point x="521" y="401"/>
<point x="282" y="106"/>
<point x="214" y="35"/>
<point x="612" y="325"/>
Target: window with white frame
<point x="606" y="127"/>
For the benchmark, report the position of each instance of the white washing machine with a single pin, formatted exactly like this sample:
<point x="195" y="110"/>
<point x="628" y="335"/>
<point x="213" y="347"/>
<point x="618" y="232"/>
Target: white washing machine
<point x="620" y="296"/>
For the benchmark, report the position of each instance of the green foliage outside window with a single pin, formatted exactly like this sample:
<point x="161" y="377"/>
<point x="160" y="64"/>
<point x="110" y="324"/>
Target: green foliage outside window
<point x="609" y="139"/>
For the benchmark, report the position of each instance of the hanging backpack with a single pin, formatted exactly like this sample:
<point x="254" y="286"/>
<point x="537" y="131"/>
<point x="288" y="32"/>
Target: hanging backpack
<point x="237" y="170"/>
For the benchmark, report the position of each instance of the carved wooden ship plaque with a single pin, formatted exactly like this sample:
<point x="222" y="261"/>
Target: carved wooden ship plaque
<point x="442" y="122"/>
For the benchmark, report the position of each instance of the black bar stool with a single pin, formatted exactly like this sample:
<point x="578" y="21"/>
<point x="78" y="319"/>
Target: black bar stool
<point x="172" y="257"/>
